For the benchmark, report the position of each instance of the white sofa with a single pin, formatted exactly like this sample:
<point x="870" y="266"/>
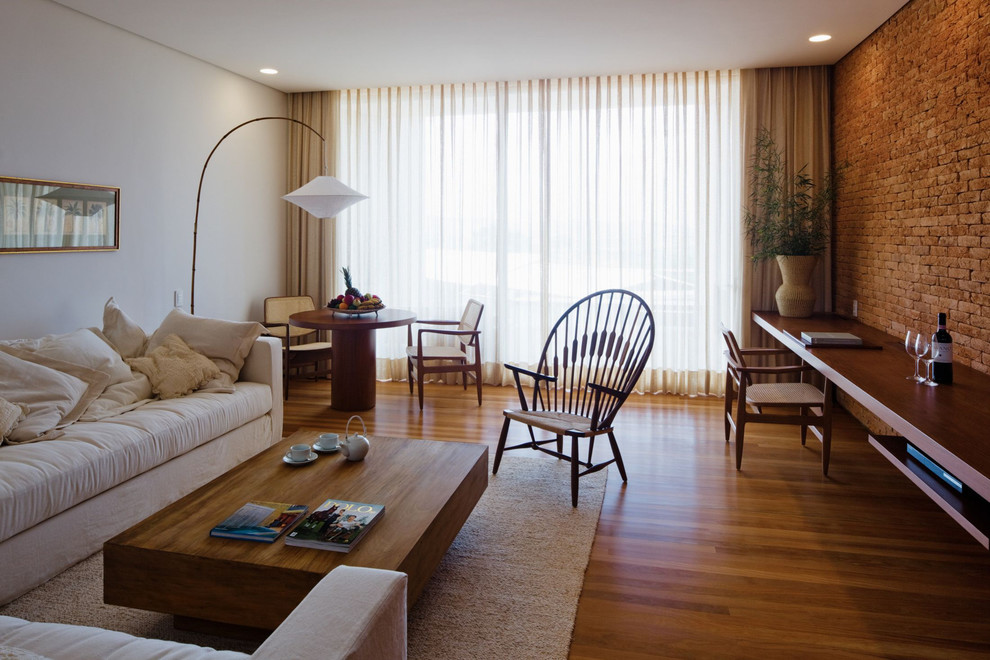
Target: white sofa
<point x="354" y="613"/>
<point x="68" y="490"/>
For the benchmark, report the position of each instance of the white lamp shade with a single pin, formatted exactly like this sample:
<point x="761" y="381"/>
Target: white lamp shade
<point x="324" y="197"/>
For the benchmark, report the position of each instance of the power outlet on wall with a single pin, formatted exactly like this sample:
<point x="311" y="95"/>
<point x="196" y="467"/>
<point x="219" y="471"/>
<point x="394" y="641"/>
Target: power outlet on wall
<point x="855" y="308"/>
<point x="178" y="301"/>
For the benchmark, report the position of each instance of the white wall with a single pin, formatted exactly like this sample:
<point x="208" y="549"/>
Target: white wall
<point x="84" y="102"/>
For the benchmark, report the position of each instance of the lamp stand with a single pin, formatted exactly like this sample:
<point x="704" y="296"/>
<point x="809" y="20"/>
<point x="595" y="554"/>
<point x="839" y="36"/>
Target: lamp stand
<point x="199" y="191"/>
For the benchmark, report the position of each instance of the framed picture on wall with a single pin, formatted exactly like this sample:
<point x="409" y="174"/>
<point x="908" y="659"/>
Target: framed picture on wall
<point x="52" y="216"/>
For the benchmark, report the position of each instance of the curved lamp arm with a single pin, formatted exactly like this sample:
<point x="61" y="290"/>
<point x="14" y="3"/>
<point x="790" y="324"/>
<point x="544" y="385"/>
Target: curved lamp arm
<point x="199" y="191"/>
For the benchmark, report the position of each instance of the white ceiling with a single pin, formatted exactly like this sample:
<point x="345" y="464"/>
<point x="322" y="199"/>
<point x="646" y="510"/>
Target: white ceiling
<point x="343" y="44"/>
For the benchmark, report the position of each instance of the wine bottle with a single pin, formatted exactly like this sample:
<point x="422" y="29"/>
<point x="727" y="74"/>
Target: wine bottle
<point x="942" y="342"/>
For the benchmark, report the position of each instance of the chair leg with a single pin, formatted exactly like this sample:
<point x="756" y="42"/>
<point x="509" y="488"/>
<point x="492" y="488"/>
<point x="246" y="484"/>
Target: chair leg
<point x="804" y="427"/>
<point x="560" y="446"/>
<point x="618" y="456"/>
<point x="574" y="470"/>
<point x="729" y="395"/>
<point x="285" y="375"/>
<point x="501" y="445"/>
<point x="419" y="387"/>
<point x="410" y="371"/>
<point x="827" y="426"/>
<point x="477" y="380"/>
<point x="740" y="431"/>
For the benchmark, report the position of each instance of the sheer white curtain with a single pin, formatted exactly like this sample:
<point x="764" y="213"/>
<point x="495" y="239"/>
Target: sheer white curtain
<point x="530" y="195"/>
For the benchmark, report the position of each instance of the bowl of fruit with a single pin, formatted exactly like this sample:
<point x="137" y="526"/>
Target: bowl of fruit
<point x="353" y="301"/>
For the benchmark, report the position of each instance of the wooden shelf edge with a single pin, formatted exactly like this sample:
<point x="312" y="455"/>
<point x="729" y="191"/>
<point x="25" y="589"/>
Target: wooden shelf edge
<point x="967" y="509"/>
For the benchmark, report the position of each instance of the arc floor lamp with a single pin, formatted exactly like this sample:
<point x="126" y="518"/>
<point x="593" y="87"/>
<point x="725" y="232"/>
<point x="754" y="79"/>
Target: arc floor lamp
<point x="323" y="197"/>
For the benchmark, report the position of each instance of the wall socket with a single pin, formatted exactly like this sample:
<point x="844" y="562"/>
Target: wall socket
<point x="855" y="308"/>
<point x="178" y="301"/>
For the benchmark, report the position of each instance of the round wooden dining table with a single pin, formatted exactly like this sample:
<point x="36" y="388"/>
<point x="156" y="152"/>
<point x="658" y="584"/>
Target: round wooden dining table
<point x="352" y="338"/>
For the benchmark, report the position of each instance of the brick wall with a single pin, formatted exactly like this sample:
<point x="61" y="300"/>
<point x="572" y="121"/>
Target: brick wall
<point x="911" y="117"/>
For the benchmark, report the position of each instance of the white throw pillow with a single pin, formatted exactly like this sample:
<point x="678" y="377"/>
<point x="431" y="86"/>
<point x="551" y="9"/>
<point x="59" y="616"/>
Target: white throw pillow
<point x="88" y="348"/>
<point x="55" y="393"/>
<point x="227" y="343"/>
<point x="123" y="333"/>
<point x="174" y="368"/>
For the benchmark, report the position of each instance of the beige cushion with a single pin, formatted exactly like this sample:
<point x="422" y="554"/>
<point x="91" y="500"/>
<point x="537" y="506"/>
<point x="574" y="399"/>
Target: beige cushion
<point x="437" y="353"/>
<point x="87" y="347"/>
<point x="124" y="334"/>
<point x="10" y="415"/>
<point x="120" y="398"/>
<point x="55" y="393"/>
<point x="784" y="394"/>
<point x="174" y="368"/>
<point x="227" y="343"/>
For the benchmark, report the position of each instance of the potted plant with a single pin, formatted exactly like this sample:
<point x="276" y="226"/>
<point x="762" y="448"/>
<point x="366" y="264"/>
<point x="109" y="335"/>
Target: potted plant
<point x="788" y="218"/>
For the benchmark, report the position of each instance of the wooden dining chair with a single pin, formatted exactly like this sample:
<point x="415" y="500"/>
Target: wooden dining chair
<point x="424" y="357"/>
<point x="590" y="363"/>
<point x="301" y="347"/>
<point x="748" y="401"/>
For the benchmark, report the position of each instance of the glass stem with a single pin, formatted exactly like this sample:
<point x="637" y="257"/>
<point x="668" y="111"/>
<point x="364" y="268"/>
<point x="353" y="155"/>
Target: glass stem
<point x="917" y="376"/>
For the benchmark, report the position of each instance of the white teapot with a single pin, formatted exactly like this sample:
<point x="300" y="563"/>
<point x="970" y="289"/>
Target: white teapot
<point x="355" y="447"/>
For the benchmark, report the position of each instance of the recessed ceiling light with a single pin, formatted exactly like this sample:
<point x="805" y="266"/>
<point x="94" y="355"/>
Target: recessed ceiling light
<point x="820" y="37"/>
<point x="272" y="72"/>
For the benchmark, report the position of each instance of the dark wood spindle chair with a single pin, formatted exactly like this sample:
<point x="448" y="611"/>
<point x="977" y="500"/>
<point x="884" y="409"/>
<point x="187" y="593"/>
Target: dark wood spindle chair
<point x="590" y="363"/>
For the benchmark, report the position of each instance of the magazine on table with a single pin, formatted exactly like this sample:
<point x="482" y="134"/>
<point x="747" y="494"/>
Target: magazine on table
<point x="260" y="521"/>
<point x="336" y="525"/>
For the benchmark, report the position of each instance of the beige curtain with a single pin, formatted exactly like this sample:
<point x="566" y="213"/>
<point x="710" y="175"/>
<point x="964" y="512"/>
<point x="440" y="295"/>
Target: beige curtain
<point x="310" y="241"/>
<point x="793" y="103"/>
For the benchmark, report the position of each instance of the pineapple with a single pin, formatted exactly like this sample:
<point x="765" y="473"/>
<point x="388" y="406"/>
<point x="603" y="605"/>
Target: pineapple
<point x="351" y="289"/>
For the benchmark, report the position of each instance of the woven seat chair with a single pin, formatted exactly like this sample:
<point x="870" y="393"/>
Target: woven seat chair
<point x="746" y="401"/>
<point x="298" y="348"/>
<point x="590" y="363"/>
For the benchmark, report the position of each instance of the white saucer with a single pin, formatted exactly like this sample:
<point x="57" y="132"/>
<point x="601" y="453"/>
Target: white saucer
<point x="323" y="450"/>
<point x="287" y="459"/>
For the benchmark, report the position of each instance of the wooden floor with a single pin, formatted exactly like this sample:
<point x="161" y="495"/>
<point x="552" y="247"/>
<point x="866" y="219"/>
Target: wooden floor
<point x="693" y="559"/>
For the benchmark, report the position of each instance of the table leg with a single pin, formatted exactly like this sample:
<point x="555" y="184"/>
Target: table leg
<point x="353" y="370"/>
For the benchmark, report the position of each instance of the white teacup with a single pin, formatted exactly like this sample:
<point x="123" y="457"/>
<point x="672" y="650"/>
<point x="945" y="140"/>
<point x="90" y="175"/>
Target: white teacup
<point x="299" y="453"/>
<point x="327" y="441"/>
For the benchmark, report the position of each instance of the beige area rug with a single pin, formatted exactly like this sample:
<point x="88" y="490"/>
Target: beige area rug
<point x="508" y="586"/>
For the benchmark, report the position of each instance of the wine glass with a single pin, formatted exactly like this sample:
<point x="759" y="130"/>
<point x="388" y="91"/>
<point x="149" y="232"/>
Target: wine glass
<point x="911" y="346"/>
<point x="928" y="355"/>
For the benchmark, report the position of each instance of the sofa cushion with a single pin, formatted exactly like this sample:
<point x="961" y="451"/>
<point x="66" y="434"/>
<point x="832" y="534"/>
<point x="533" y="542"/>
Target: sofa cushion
<point x="13" y="653"/>
<point x="43" y="479"/>
<point x="227" y="343"/>
<point x="55" y="393"/>
<point x="86" y="347"/>
<point x="119" y="398"/>
<point x="59" y="640"/>
<point x="123" y="333"/>
<point x="175" y="369"/>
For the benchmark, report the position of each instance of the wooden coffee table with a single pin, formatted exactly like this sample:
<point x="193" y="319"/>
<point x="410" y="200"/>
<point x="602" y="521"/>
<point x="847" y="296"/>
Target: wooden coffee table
<point x="169" y="562"/>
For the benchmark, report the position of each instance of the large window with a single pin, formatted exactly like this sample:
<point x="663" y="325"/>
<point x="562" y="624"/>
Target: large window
<point x="530" y="195"/>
